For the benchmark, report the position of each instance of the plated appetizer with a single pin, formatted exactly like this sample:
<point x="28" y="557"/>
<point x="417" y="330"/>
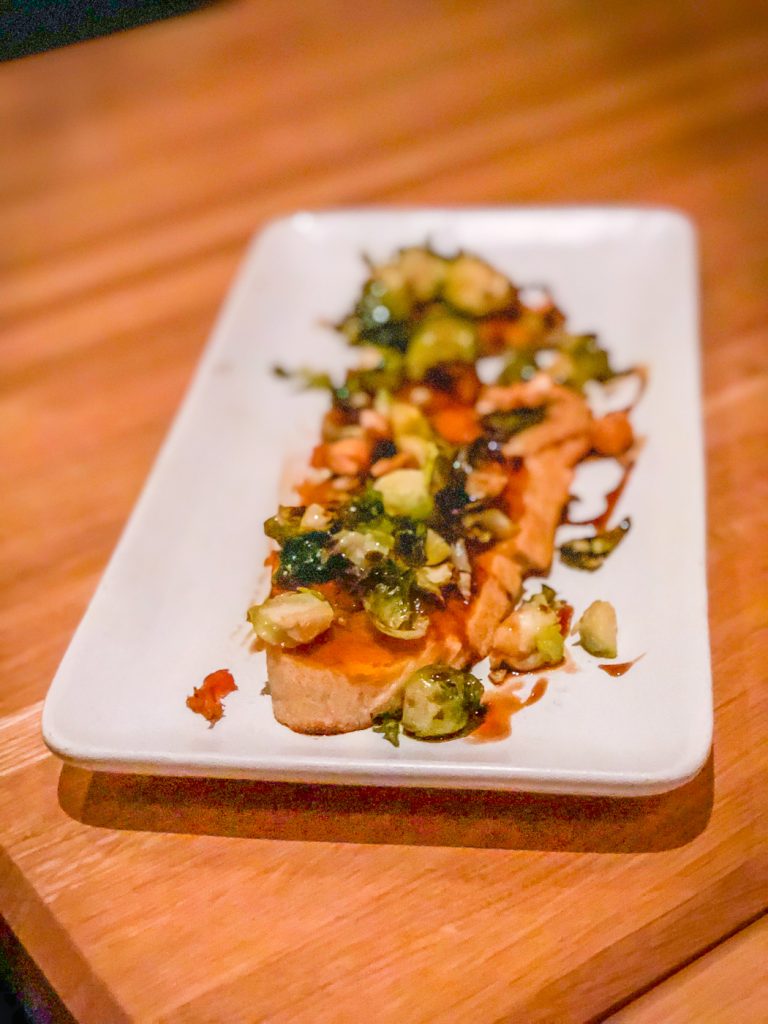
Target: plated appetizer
<point x="443" y="470"/>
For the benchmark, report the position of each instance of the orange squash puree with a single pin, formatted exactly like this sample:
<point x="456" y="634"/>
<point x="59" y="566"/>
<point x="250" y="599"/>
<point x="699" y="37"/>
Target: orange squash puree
<point x="354" y="645"/>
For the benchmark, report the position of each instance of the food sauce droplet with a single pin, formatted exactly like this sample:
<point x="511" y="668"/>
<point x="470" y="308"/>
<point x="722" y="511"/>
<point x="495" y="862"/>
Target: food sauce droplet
<point x="621" y="668"/>
<point x="207" y="699"/>
<point x="501" y="705"/>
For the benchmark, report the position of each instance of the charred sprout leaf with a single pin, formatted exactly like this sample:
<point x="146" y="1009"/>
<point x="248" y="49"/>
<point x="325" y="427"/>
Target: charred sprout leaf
<point x="388" y="724"/>
<point x="307" y="379"/>
<point x="306" y="559"/>
<point x="380" y="317"/>
<point x="580" y="358"/>
<point x="589" y="553"/>
<point x="286" y="524"/>
<point x="440" y="701"/>
<point x="363" y="547"/>
<point x="450" y="502"/>
<point x="473" y="286"/>
<point x="488" y="525"/>
<point x="503" y="425"/>
<point x="365" y="507"/>
<point x="521" y="365"/>
<point x="440" y="339"/>
<point x="387" y="375"/>
<point x="391" y="602"/>
<point x="410" y="541"/>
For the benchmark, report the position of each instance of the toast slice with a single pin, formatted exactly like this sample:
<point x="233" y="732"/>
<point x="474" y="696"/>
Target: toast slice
<point x="341" y="681"/>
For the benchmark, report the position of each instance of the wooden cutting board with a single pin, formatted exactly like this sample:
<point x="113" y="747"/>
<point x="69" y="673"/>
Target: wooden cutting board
<point x="132" y="172"/>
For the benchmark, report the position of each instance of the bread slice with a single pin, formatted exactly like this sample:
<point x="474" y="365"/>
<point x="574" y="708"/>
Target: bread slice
<point x="341" y="681"/>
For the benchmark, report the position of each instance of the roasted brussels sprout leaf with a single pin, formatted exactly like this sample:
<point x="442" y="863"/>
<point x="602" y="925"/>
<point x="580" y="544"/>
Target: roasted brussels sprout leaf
<point x="410" y="541"/>
<point x="286" y="524"/>
<point x="589" y="553"/>
<point x="388" y="724"/>
<point x="380" y="317"/>
<point x="387" y="374"/>
<point x="306" y="378"/>
<point x="440" y="339"/>
<point x="289" y="620"/>
<point x="405" y="492"/>
<point x="441" y="701"/>
<point x="392" y="602"/>
<point x="580" y="358"/>
<point x="361" y="508"/>
<point x="306" y="559"/>
<point x="533" y="635"/>
<point x="503" y="425"/>
<point x="521" y="365"/>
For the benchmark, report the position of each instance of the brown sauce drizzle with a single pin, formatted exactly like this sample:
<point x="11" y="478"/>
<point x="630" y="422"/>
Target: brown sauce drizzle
<point x="621" y="668"/>
<point x="501" y="706"/>
<point x="611" y="500"/>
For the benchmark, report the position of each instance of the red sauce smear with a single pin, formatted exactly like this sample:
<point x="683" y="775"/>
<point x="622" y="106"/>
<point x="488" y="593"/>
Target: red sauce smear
<point x="611" y="500"/>
<point x="501" y="706"/>
<point x="621" y="667"/>
<point x="206" y="700"/>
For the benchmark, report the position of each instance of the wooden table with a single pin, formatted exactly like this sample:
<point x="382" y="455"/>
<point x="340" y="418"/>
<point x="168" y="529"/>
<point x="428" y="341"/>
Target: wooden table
<point x="132" y="171"/>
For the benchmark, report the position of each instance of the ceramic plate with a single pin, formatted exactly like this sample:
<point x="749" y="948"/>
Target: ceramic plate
<point x="170" y="608"/>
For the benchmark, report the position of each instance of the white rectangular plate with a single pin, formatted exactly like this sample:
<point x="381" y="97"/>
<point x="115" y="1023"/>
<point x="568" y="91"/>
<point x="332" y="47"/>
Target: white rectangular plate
<point x="171" y="605"/>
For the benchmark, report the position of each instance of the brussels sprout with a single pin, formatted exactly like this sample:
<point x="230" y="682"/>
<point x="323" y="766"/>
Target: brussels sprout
<point x="423" y="272"/>
<point x="386" y="374"/>
<point x="365" y="507"/>
<point x="440" y="701"/>
<point x="487" y="525"/>
<point x="474" y="287"/>
<point x="423" y="452"/>
<point x="410" y="541"/>
<point x="580" y="358"/>
<point x="408" y="421"/>
<point x="598" y="630"/>
<point x="521" y="365"/>
<point x="589" y="553"/>
<point x="533" y="635"/>
<point x="315" y="518"/>
<point x="391" y="603"/>
<point x="287" y="523"/>
<point x="306" y="559"/>
<point x="502" y="425"/>
<point x="440" y="339"/>
<point x="405" y="493"/>
<point x="436" y="548"/>
<point x="380" y="317"/>
<point x="307" y="379"/>
<point x="432" y="578"/>
<point x="289" y="620"/>
<point x="360" y="547"/>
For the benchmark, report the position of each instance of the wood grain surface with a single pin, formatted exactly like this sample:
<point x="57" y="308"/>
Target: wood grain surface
<point x="728" y="983"/>
<point x="132" y="171"/>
